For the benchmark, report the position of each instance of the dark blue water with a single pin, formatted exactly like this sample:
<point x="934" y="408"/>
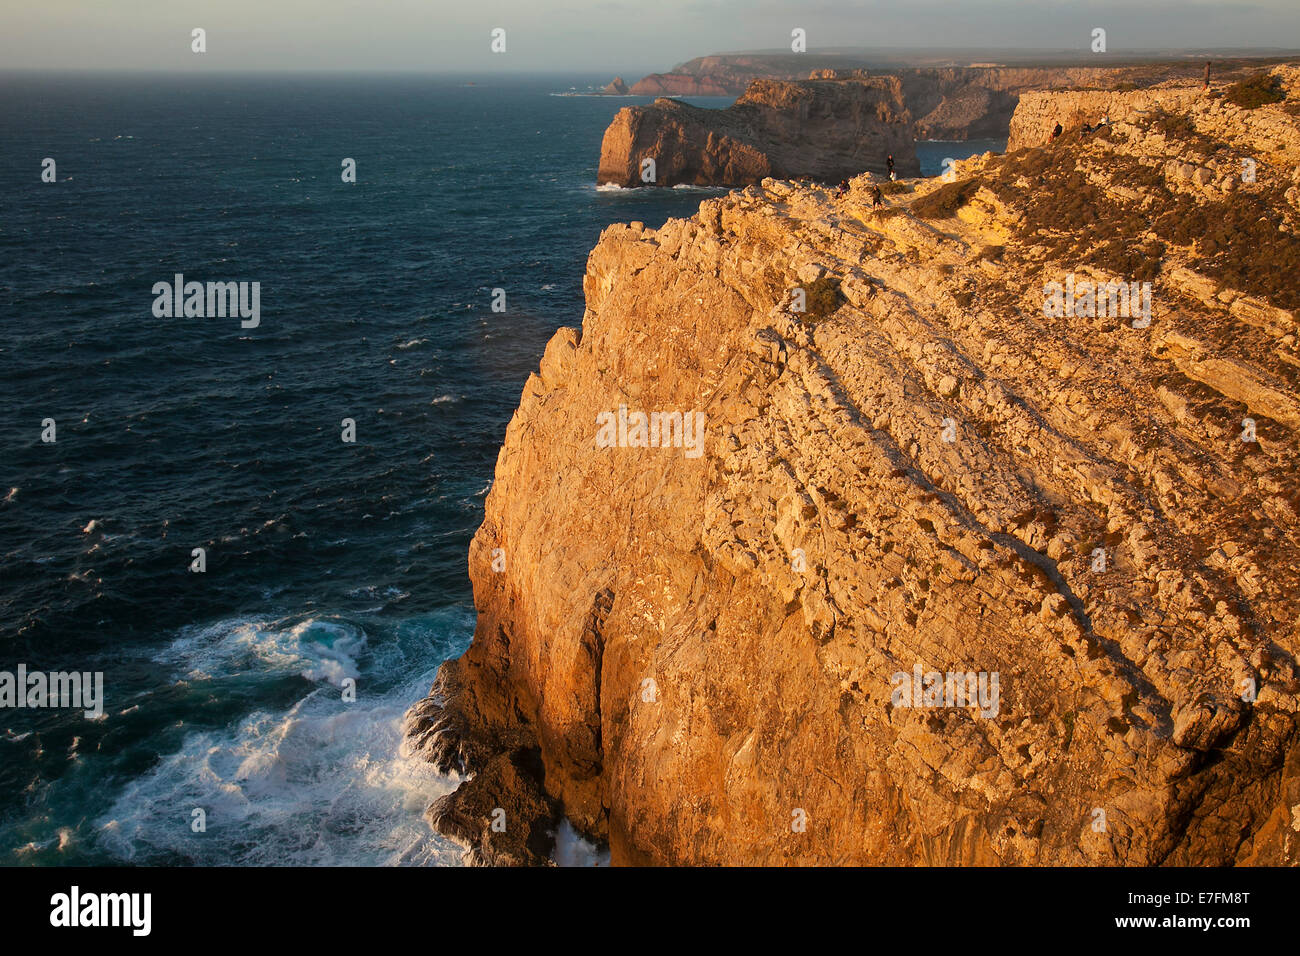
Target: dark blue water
<point x="327" y="562"/>
<point x="931" y="153"/>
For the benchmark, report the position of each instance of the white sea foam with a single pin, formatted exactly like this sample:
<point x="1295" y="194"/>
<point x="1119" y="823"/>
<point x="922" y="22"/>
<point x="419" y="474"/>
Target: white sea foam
<point x="573" y="850"/>
<point x="324" y="782"/>
<point x="318" y="649"/>
<point x="680" y="187"/>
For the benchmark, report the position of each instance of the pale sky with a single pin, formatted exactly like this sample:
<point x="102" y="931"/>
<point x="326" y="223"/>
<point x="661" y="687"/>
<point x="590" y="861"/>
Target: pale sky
<point x="631" y="37"/>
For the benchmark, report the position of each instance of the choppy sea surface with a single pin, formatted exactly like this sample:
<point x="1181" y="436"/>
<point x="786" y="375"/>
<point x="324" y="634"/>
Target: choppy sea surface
<point x="332" y="568"/>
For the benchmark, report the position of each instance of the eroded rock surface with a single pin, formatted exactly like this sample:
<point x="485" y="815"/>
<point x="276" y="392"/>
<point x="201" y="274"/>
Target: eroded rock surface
<point x="926" y="469"/>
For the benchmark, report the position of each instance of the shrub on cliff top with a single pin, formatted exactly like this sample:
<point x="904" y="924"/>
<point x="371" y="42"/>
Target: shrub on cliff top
<point x="773" y="286"/>
<point x="944" y="202"/>
<point x="824" y="297"/>
<point x="1173" y="125"/>
<point x="1255" y="91"/>
<point x="821" y="296"/>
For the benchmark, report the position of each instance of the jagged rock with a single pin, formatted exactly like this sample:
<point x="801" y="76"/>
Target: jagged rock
<point x="501" y="816"/>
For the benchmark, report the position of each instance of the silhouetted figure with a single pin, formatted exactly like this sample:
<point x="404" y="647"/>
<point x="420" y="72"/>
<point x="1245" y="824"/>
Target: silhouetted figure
<point x="1207" y="74"/>
<point x="877" y="197"/>
<point x="842" y="188"/>
<point x="889" y="162"/>
<point x="1057" y="131"/>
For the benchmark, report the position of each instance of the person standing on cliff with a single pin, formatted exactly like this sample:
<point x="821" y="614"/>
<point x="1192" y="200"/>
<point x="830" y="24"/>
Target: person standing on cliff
<point x="1057" y="131"/>
<point x="877" y="197"/>
<point x="889" y="164"/>
<point x="1207" y="74"/>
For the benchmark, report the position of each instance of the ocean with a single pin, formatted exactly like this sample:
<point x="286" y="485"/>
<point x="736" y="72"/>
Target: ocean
<point x="331" y="568"/>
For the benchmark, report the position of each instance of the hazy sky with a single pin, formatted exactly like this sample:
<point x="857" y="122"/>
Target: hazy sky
<point x="631" y="37"/>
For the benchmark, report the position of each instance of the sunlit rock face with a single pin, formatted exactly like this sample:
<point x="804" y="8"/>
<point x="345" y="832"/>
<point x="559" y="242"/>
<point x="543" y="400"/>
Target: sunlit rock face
<point x="967" y="569"/>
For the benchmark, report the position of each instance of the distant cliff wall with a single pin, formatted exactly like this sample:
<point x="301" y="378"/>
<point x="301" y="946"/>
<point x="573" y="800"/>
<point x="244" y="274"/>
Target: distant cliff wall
<point x="952" y="103"/>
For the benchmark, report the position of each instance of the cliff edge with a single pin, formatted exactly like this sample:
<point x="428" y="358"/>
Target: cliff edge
<point x="965" y="561"/>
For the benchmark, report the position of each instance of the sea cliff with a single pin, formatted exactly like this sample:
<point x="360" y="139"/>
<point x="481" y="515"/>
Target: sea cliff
<point x="913" y="464"/>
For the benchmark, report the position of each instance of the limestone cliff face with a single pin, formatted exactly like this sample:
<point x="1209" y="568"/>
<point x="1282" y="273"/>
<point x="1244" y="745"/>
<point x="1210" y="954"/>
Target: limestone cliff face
<point x="829" y="130"/>
<point x="698" y="658"/>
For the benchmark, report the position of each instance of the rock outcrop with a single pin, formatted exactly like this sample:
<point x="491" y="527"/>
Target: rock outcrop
<point x="711" y="658"/>
<point x="615" y="87"/>
<point x="829" y="130"/>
